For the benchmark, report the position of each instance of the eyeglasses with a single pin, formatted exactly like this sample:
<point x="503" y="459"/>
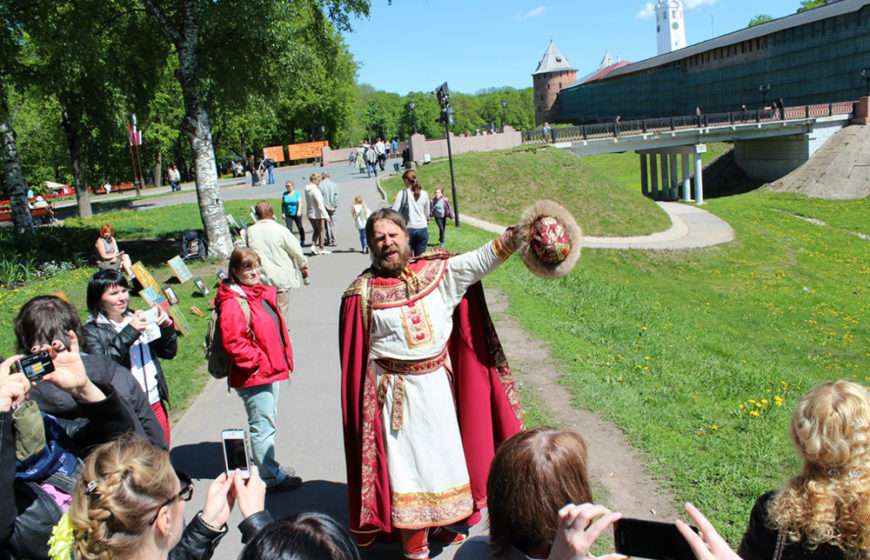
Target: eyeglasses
<point x="185" y="494"/>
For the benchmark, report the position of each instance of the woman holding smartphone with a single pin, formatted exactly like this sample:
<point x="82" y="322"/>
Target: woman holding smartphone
<point x="134" y="339"/>
<point x="260" y="352"/>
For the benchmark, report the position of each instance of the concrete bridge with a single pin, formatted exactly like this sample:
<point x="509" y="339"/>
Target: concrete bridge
<point x="768" y="143"/>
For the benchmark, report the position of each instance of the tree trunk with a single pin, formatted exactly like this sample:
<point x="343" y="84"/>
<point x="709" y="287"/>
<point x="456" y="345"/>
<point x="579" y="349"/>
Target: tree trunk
<point x="197" y="127"/>
<point x="158" y="170"/>
<point x="21" y="218"/>
<point x="71" y="127"/>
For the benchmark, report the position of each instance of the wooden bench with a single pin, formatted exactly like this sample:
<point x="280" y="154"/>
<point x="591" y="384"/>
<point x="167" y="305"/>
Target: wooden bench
<point x="120" y="187"/>
<point x="39" y="214"/>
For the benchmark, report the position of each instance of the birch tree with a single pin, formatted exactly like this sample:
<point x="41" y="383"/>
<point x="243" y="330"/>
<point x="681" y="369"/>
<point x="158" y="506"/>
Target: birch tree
<point x="227" y="50"/>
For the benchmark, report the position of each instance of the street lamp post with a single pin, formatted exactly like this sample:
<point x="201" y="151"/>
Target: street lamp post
<point x="443" y="95"/>
<point x="764" y="89"/>
<point x="865" y="75"/>
<point x="503" y="114"/>
<point x="413" y="108"/>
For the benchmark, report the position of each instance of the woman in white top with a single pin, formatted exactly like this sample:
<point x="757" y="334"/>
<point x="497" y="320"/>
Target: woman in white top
<point x="317" y="214"/>
<point x="360" y="212"/>
<point x="413" y="204"/>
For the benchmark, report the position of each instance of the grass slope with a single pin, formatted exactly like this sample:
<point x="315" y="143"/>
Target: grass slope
<point x="700" y="356"/>
<point x="603" y="192"/>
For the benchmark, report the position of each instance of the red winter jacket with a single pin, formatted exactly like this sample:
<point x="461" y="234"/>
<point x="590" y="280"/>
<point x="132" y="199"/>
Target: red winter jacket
<point x="262" y="358"/>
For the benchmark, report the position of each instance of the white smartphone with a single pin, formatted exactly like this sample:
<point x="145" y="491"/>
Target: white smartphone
<point x="236" y="452"/>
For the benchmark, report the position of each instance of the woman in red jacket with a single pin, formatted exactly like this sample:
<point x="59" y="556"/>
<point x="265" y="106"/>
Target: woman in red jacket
<point x="256" y="341"/>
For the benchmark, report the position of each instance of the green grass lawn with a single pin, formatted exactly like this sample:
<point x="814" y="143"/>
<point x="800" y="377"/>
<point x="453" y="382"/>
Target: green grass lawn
<point x="149" y="235"/>
<point x="700" y="356"/>
<point x="602" y="191"/>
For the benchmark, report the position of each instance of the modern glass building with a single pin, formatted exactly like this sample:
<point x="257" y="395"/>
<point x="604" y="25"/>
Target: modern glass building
<point x="812" y="57"/>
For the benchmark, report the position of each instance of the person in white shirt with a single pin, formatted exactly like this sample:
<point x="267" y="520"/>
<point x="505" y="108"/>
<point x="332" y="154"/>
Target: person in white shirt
<point x="413" y="204"/>
<point x="360" y="212"/>
<point x="317" y="214"/>
<point x="381" y="151"/>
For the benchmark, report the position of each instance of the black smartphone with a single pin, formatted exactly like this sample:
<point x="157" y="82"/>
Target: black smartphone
<point x="35" y="366"/>
<point x="651" y="539"/>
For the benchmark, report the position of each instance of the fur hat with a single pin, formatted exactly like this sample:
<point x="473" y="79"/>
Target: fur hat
<point x="552" y="239"/>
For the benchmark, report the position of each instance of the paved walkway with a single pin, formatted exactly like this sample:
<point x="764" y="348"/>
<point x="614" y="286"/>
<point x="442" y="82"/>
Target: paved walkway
<point x="691" y="228"/>
<point x="309" y="419"/>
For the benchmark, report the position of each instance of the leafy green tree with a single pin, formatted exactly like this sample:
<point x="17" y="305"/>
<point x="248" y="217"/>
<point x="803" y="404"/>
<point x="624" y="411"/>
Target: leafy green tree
<point x="22" y="221"/>
<point x="807" y="5"/>
<point x="759" y="19"/>
<point x="226" y="52"/>
<point x="95" y="59"/>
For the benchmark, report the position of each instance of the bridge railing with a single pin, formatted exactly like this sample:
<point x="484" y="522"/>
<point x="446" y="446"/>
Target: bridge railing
<point x="619" y="127"/>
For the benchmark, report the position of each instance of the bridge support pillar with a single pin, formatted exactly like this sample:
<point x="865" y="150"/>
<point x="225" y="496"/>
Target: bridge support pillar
<point x="687" y="195"/>
<point x="654" y="175"/>
<point x="699" y="179"/>
<point x="675" y="177"/>
<point x="666" y="178"/>
<point x="644" y="179"/>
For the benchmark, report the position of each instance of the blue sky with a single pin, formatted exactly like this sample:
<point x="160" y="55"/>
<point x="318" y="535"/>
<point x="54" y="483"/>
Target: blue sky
<point x="414" y="45"/>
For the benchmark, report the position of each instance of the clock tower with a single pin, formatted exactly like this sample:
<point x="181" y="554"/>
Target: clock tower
<point x="670" y="26"/>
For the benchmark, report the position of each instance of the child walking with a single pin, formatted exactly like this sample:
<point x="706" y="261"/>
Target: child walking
<point x="360" y="213"/>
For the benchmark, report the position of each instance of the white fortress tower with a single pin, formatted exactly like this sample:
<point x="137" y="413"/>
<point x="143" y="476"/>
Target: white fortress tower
<point x="670" y="26"/>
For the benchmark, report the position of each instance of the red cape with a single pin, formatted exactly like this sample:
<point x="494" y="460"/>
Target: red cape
<point x="487" y="402"/>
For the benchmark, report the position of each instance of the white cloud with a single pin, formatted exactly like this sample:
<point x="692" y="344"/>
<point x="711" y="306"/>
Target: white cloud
<point x="692" y="4"/>
<point x="648" y="11"/>
<point x="534" y="12"/>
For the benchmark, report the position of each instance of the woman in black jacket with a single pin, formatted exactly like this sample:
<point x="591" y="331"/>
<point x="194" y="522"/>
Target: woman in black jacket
<point x="38" y="460"/>
<point x="132" y="338"/>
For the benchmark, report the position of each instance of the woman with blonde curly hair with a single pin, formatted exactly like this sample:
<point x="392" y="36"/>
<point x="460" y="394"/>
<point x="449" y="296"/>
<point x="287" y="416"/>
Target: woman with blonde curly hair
<point x="129" y="503"/>
<point x="824" y="512"/>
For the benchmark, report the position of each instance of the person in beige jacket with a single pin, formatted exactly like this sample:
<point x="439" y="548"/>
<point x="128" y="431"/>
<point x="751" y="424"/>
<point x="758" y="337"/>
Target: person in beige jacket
<point x="283" y="264"/>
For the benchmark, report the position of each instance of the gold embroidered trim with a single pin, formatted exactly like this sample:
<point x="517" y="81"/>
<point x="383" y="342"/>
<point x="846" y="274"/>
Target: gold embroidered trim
<point x="408" y="367"/>
<point x="427" y="278"/>
<point x="500" y="249"/>
<point x="417" y="325"/>
<point x="411" y="510"/>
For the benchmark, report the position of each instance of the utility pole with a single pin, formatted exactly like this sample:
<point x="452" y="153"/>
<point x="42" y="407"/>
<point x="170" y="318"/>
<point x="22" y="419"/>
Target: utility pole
<point x="443" y="94"/>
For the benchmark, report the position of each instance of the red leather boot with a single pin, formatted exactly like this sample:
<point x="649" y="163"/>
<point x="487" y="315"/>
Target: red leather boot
<point x="415" y="543"/>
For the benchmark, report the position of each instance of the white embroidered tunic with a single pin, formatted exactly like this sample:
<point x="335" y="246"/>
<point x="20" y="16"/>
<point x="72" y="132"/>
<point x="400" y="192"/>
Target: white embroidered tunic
<point x="428" y="476"/>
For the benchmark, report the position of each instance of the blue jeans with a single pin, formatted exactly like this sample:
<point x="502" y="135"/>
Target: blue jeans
<point x="261" y="405"/>
<point x="362" y="239"/>
<point x="271" y="174"/>
<point x="419" y="240"/>
<point x="442" y="223"/>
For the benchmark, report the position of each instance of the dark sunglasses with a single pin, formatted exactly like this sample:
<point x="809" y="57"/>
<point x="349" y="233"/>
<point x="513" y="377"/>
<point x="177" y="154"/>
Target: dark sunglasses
<point x="185" y="494"/>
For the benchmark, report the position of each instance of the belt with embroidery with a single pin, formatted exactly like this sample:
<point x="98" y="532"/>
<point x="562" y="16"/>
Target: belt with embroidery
<point x="394" y="378"/>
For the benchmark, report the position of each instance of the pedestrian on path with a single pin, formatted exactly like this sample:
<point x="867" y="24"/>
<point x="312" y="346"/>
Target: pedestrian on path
<point x="269" y="165"/>
<point x="317" y="214"/>
<point x="131" y="338"/>
<point x="381" y="152"/>
<point x="360" y="212"/>
<point x="291" y="209"/>
<point x="371" y="161"/>
<point x="329" y="190"/>
<point x="284" y="265"/>
<point x="412" y="203"/>
<point x="174" y="177"/>
<point x="361" y="158"/>
<point x="405" y="384"/>
<point x="441" y="211"/>
<point x="258" y="346"/>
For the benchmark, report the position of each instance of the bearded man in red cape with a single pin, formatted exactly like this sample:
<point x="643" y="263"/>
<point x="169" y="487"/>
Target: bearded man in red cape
<point x="427" y="394"/>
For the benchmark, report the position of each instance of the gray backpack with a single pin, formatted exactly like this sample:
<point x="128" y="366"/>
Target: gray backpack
<point x="218" y="362"/>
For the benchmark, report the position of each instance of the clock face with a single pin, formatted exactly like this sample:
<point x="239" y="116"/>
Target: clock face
<point x="675" y="25"/>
